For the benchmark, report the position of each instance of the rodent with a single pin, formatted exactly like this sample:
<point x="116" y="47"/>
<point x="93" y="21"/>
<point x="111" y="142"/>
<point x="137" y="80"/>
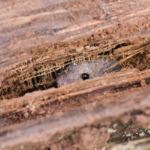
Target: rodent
<point x="86" y="70"/>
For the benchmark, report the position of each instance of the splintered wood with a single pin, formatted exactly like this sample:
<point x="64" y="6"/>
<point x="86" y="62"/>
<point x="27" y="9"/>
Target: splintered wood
<point x="38" y="39"/>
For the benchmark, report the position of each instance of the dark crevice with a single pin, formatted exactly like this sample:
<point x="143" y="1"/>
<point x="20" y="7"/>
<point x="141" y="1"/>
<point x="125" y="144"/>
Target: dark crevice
<point x="136" y="112"/>
<point x="120" y="45"/>
<point x="42" y="82"/>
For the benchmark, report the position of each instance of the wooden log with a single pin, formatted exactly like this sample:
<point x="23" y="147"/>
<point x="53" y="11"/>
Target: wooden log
<point x="40" y="37"/>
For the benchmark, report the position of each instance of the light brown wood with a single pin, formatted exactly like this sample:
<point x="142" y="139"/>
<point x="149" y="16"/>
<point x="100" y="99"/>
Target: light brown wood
<point x="39" y="37"/>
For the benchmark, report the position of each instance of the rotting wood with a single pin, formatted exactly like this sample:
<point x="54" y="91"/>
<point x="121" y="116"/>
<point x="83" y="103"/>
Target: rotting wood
<point x="125" y="79"/>
<point x="40" y="40"/>
<point x="130" y="32"/>
<point x="57" y="128"/>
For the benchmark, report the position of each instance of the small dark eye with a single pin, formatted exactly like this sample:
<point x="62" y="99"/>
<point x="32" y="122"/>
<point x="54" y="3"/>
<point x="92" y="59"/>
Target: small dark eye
<point x="85" y="76"/>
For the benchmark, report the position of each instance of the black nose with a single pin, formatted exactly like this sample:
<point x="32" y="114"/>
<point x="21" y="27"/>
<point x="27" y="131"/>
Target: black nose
<point x="85" y="76"/>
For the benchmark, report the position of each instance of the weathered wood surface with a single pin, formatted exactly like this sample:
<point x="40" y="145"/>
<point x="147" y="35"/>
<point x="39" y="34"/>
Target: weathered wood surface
<point x="44" y="31"/>
<point x="26" y="26"/>
<point x="49" y="34"/>
<point x="83" y="128"/>
<point x="81" y="125"/>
